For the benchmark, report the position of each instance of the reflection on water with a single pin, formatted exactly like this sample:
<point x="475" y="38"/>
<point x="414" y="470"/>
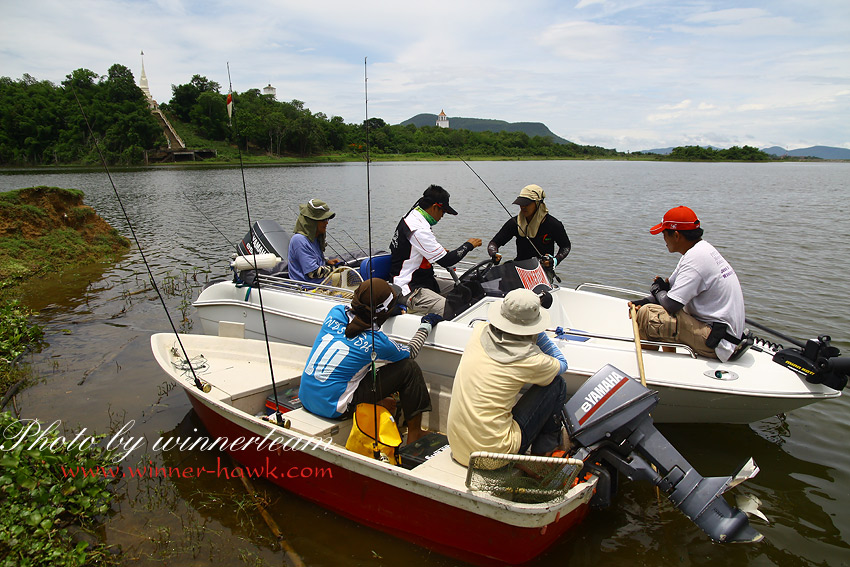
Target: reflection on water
<point x="781" y="226"/>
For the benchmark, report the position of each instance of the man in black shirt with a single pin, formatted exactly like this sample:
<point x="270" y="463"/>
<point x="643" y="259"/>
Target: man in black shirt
<point x="535" y="229"/>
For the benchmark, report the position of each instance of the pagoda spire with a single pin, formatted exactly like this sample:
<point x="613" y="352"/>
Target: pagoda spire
<point x="143" y="84"/>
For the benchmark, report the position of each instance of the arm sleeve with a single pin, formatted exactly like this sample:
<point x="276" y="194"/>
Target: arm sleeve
<point x="504" y="235"/>
<point x="418" y="340"/>
<point x="564" y="244"/>
<point x="671" y="305"/>
<point x="548" y="347"/>
<point x="456" y="255"/>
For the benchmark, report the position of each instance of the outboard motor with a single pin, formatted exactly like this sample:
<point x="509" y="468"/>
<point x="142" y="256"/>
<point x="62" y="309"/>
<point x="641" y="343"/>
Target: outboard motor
<point x="608" y="418"/>
<point x="268" y="238"/>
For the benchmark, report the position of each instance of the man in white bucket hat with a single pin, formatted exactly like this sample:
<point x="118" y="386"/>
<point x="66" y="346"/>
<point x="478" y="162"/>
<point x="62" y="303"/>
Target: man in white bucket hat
<point x="502" y="356"/>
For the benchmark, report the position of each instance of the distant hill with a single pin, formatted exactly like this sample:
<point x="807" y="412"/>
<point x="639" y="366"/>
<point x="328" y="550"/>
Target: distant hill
<point x="822" y="152"/>
<point x="668" y="151"/>
<point x="486" y="125"/>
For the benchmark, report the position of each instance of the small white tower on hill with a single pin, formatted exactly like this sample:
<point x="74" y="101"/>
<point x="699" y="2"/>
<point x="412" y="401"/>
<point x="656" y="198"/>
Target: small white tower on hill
<point x="143" y="84"/>
<point x="443" y="120"/>
<point x="270" y="90"/>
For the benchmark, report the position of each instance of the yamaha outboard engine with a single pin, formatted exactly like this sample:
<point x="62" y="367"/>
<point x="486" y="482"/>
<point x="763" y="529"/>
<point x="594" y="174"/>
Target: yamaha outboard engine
<point x="609" y="419"/>
<point x="268" y="238"/>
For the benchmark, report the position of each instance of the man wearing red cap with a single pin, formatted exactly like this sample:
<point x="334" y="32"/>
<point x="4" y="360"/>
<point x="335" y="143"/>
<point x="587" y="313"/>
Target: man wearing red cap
<point x="701" y="304"/>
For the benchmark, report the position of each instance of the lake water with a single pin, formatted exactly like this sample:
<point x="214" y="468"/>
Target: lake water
<point x="783" y="227"/>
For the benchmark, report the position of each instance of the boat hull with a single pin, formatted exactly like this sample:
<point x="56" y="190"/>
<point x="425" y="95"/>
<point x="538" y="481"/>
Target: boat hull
<point x="748" y="390"/>
<point x="402" y="513"/>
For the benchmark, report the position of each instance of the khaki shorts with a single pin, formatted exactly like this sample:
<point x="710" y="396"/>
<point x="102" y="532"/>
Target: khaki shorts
<point x="656" y="324"/>
<point x="423" y="300"/>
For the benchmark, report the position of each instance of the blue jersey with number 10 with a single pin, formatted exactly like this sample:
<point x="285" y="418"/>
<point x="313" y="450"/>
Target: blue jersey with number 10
<point x="337" y="364"/>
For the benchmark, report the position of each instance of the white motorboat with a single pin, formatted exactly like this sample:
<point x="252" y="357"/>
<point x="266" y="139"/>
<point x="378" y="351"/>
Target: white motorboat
<point x="591" y="325"/>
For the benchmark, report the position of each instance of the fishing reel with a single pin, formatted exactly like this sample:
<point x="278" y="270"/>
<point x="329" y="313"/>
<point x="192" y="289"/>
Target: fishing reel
<point x="818" y="361"/>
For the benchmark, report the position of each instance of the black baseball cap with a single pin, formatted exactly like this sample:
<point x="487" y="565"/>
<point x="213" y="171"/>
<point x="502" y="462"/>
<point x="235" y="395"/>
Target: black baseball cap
<point x="437" y="195"/>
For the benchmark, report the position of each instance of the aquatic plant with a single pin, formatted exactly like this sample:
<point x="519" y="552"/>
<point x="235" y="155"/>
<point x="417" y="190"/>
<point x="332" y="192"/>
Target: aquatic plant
<point x="43" y="505"/>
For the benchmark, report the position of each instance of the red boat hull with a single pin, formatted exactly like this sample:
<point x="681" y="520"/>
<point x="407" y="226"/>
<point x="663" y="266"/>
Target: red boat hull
<point x="413" y="517"/>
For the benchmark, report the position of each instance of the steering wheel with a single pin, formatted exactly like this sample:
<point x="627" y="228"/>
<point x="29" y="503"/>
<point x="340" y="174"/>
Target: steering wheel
<point x="477" y="271"/>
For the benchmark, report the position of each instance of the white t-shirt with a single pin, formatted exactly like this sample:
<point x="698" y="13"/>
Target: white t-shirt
<point x="708" y="287"/>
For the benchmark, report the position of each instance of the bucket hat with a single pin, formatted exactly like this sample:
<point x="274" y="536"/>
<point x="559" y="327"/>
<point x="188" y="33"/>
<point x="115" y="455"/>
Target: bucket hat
<point x="519" y="313"/>
<point x="317" y="210"/>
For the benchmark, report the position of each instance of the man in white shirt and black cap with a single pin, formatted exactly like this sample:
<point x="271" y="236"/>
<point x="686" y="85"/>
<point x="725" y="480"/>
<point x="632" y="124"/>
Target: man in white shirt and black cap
<point x="414" y="249"/>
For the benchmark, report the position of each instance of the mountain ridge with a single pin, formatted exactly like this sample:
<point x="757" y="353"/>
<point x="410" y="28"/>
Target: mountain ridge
<point x="487" y="125"/>
<point x="820" y="152"/>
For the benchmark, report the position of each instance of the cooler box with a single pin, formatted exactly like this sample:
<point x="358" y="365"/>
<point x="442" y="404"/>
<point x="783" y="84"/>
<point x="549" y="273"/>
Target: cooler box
<point x="287" y="401"/>
<point x="417" y="453"/>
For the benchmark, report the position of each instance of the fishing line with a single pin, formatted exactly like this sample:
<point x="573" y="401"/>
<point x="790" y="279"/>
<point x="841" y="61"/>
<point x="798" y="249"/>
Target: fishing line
<point x="340" y="245"/>
<point x="200" y="385"/>
<point x="278" y="418"/>
<point x="352" y="240"/>
<point x="212" y="224"/>
<point x="503" y="206"/>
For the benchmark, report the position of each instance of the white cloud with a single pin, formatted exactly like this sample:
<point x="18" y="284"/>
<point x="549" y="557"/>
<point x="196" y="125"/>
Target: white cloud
<point x="624" y="73"/>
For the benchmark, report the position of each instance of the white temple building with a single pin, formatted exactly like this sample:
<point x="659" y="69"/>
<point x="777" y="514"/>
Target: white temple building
<point x="143" y="84"/>
<point x="442" y="120"/>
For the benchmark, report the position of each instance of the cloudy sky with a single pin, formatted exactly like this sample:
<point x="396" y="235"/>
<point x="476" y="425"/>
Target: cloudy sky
<point x="624" y="74"/>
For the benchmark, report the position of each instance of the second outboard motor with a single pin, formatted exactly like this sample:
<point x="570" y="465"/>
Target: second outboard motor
<point x="609" y="419"/>
<point x="268" y="238"/>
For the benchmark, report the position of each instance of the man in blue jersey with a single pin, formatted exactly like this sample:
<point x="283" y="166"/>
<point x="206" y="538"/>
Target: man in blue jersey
<point x="332" y="383"/>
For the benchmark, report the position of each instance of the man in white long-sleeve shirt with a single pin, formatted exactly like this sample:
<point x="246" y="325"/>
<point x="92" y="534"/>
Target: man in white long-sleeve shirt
<point x="414" y="249"/>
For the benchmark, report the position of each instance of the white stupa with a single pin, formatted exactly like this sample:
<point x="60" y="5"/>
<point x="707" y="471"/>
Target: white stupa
<point x="143" y="84"/>
<point x="442" y="120"/>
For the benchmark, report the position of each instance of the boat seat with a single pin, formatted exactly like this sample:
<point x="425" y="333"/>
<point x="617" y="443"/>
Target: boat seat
<point x="311" y="424"/>
<point x="380" y="267"/>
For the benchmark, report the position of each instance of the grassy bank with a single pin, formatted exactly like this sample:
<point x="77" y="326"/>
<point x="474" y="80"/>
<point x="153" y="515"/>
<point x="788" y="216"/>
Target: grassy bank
<point x="45" y="514"/>
<point x="46" y="229"/>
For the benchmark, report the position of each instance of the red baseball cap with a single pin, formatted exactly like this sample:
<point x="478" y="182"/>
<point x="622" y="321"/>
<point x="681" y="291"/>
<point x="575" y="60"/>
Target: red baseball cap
<point x="677" y="218"/>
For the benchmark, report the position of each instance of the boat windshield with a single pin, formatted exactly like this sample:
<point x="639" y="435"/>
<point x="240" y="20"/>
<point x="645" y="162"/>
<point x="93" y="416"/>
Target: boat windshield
<point x="500" y="279"/>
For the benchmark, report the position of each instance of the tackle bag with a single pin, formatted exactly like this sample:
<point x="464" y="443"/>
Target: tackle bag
<point x="361" y="439"/>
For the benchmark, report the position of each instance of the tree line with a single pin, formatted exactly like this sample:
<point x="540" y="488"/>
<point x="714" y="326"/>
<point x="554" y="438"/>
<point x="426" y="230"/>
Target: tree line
<point x="41" y="124"/>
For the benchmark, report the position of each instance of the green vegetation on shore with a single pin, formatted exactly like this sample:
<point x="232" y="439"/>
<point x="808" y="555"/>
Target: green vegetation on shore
<point x="41" y="124"/>
<point x="45" y="511"/>
<point x="45" y="229"/>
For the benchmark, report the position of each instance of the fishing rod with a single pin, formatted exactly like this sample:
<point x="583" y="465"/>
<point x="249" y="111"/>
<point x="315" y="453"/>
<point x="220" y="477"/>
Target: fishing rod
<point x="278" y="417"/>
<point x="212" y="224"/>
<point x="204" y="387"/>
<point x="376" y="453"/>
<point x="345" y="232"/>
<point x="340" y="245"/>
